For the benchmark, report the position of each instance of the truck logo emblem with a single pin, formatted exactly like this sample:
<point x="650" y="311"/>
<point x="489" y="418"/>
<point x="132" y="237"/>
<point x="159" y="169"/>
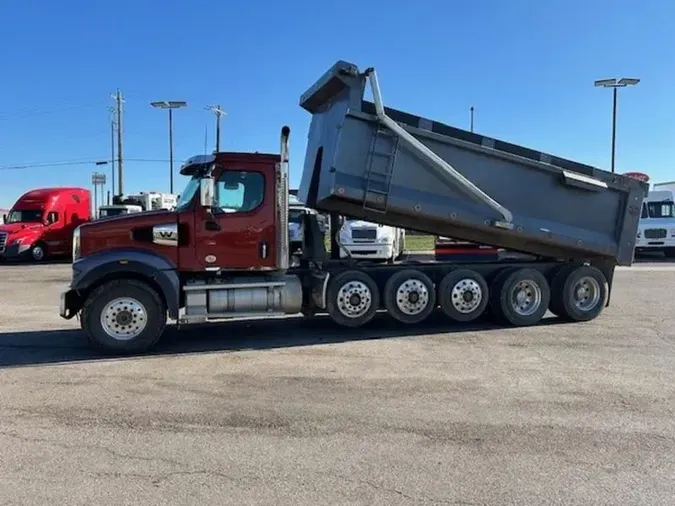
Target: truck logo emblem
<point x="210" y="259"/>
<point x="165" y="235"/>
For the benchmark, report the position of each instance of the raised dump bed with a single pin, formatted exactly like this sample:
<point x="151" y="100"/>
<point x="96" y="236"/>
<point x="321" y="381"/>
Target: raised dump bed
<point x="367" y="161"/>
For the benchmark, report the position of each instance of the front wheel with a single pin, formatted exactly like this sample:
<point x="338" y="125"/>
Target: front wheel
<point x="37" y="252"/>
<point x="124" y="316"/>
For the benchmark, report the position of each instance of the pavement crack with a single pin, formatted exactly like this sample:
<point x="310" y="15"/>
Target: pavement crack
<point x="81" y="446"/>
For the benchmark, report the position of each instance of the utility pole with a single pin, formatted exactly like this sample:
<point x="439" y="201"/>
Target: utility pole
<point x="120" y="171"/>
<point x="218" y="112"/>
<point x="112" y="154"/>
<point x="471" y="109"/>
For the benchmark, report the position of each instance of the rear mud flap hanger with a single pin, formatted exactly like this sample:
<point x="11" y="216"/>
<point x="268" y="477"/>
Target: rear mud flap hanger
<point x="463" y="183"/>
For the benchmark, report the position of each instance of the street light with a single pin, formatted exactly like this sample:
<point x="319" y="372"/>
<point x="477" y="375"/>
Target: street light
<point x="215" y="109"/>
<point x="170" y="105"/>
<point x="614" y="84"/>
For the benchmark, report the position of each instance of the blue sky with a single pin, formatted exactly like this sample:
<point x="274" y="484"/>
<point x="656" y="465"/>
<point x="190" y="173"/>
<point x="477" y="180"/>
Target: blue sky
<point x="526" y="66"/>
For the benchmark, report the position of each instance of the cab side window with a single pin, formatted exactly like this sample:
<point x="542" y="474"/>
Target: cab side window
<point x="52" y="217"/>
<point x="239" y="191"/>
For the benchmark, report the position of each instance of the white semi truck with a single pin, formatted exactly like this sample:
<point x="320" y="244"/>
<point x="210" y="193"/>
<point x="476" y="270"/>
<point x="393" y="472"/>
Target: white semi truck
<point x="137" y="203"/>
<point x="362" y="239"/>
<point x="656" y="229"/>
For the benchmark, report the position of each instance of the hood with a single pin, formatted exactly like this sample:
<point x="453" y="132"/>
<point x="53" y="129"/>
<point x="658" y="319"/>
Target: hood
<point x="360" y="224"/>
<point x="656" y="223"/>
<point x="132" y="219"/>
<point x="14" y="228"/>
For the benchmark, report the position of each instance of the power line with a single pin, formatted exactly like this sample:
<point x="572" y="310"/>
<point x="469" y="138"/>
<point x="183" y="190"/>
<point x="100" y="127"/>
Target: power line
<point x="22" y="166"/>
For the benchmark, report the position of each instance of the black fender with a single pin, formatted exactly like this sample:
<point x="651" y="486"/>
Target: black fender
<point x="111" y="264"/>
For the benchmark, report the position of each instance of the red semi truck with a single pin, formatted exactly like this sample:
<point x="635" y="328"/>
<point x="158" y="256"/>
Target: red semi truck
<point x="41" y="223"/>
<point x="223" y="252"/>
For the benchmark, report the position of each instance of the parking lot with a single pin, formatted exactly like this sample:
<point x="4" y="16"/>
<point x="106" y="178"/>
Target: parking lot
<point x="305" y="413"/>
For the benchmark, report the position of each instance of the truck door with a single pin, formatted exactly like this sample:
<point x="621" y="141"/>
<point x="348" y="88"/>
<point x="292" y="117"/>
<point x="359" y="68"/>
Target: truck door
<point x="241" y="232"/>
<point x="55" y="235"/>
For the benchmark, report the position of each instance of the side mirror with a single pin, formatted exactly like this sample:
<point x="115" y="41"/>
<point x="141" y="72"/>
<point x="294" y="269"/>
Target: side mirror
<point x="4" y="219"/>
<point x="206" y="191"/>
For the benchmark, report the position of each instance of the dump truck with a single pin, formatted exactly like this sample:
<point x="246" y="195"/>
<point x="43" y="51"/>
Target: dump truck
<point x="223" y="251"/>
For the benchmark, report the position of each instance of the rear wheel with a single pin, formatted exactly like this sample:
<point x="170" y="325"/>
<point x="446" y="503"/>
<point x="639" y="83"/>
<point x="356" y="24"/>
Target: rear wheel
<point x="463" y="295"/>
<point x="579" y="293"/>
<point x="520" y="296"/>
<point x="124" y="316"/>
<point x="353" y="298"/>
<point x="409" y="296"/>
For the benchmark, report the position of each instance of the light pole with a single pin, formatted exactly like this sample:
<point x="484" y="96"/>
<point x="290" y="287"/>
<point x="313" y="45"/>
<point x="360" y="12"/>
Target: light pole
<point x="218" y="112"/>
<point x="615" y="84"/>
<point x="170" y="105"/>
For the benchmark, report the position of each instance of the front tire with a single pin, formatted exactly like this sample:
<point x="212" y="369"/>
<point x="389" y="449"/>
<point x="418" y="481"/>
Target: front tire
<point x="124" y="316"/>
<point x="38" y="252"/>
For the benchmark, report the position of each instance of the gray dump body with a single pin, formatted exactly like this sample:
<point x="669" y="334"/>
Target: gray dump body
<point x="478" y="189"/>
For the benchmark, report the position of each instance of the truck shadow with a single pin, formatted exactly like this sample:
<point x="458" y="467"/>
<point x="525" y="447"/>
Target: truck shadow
<point x="63" y="346"/>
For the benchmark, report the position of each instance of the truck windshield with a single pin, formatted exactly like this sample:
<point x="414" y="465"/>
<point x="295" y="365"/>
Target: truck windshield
<point x="187" y="194"/>
<point x="29" y="216"/>
<point x="661" y="209"/>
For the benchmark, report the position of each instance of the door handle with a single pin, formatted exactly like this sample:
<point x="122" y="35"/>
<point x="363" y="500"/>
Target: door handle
<point x="262" y="245"/>
<point x="212" y="225"/>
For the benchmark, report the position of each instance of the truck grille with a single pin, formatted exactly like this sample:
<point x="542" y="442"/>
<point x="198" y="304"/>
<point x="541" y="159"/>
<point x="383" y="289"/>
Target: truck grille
<point x="655" y="233"/>
<point x="364" y="234"/>
<point x="3" y="240"/>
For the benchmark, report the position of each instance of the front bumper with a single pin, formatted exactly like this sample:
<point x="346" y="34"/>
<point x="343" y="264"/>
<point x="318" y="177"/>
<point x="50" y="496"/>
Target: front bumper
<point x="643" y="244"/>
<point x="368" y="250"/>
<point x="14" y="251"/>
<point x="70" y="303"/>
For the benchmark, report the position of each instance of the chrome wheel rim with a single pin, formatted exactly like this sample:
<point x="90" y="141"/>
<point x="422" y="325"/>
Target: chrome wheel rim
<point x="526" y="297"/>
<point x="38" y="253"/>
<point x="466" y="295"/>
<point x="412" y="297"/>
<point x="586" y="293"/>
<point x="354" y="299"/>
<point x="124" y="318"/>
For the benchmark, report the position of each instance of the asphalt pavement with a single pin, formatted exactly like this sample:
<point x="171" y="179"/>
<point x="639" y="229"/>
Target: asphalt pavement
<point x="304" y="413"/>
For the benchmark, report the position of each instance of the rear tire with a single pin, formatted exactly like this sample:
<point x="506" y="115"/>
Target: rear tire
<point x="579" y="293"/>
<point x="463" y="295"/>
<point x="410" y="296"/>
<point x="124" y="316"/>
<point x="520" y="296"/>
<point x="353" y="298"/>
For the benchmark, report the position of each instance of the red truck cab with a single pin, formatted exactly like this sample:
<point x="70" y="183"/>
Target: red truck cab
<point x="41" y="223"/>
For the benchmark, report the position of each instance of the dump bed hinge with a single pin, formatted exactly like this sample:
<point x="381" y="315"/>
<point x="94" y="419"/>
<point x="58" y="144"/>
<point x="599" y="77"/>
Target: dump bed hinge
<point x="464" y="184"/>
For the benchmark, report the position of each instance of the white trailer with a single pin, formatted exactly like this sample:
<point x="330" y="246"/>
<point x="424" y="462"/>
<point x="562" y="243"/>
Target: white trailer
<point x="656" y="229"/>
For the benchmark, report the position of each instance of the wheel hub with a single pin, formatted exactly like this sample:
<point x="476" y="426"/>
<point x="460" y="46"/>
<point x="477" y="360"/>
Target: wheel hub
<point x="123" y="319"/>
<point x="412" y="297"/>
<point x="526" y="298"/>
<point x="466" y="295"/>
<point x="354" y="299"/>
<point x="586" y="293"/>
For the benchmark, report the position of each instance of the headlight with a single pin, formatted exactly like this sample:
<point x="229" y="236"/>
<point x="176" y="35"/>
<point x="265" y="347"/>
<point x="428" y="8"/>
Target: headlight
<point x="76" y="244"/>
